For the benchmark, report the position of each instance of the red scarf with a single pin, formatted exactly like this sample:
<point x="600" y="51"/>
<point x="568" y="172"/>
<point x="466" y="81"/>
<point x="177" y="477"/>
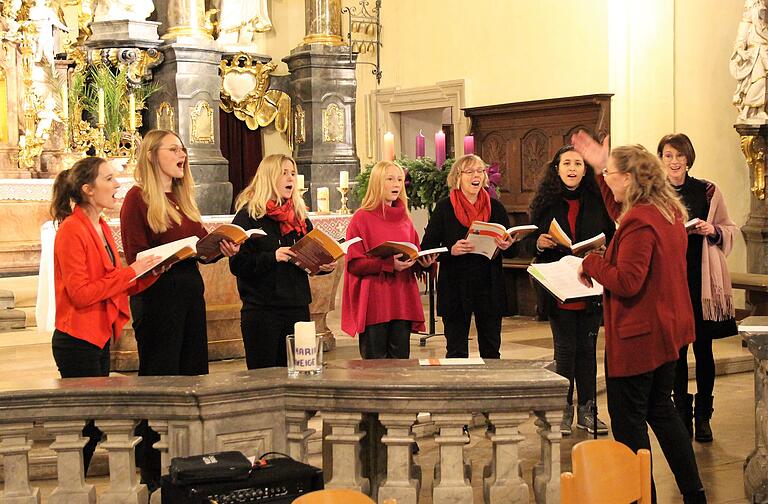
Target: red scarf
<point x="286" y="216"/>
<point x="467" y="212"/>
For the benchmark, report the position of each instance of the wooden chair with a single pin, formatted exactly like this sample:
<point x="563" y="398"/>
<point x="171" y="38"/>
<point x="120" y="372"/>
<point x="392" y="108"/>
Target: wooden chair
<point x="334" y="496"/>
<point x="606" y="472"/>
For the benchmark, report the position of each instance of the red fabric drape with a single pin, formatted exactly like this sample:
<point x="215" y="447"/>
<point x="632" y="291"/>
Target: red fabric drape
<point x="242" y="148"/>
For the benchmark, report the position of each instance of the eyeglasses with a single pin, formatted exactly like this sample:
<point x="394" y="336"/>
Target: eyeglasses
<point x="606" y="172"/>
<point x="175" y="150"/>
<point x="478" y="171"/>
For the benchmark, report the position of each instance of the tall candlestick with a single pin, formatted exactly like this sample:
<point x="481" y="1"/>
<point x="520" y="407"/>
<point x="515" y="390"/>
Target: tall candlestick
<point x="132" y="112"/>
<point x="101" y="106"/>
<point x="300" y="181"/>
<point x="420" y="144"/>
<point x="469" y="145"/>
<point x="439" y="149"/>
<point x="323" y="200"/>
<point x="343" y="179"/>
<point x="389" y="146"/>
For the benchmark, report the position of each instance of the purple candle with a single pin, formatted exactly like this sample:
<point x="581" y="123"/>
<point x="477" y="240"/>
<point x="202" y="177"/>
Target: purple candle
<point x="420" y="145"/>
<point x="439" y="149"/>
<point x="469" y="145"/>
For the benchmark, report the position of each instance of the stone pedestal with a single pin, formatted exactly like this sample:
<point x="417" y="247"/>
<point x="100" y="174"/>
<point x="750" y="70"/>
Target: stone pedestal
<point x="756" y="464"/>
<point x="324" y="87"/>
<point x="755" y="230"/>
<point x="188" y="104"/>
<point x="124" y="33"/>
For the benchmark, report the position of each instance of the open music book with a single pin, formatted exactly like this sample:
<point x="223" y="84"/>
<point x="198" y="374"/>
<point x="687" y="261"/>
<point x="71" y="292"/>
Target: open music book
<point x="579" y="248"/>
<point x="395" y="248"/>
<point x="692" y="223"/>
<point x="317" y="248"/>
<point x="483" y="234"/>
<point x="205" y="249"/>
<point x="561" y="280"/>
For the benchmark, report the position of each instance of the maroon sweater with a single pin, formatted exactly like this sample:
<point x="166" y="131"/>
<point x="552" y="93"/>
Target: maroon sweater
<point x="136" y="233"/>
<point x="373" y="291"/>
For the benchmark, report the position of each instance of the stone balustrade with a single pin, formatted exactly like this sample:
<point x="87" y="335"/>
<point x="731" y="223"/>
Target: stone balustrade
<point x="264" y="410"/>
<point x="756" y="464"/>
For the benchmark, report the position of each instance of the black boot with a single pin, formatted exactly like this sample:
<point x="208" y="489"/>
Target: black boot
<point x="684" y="407"/>
<point x="702" y="412"/>
<point x="697" y="497"/>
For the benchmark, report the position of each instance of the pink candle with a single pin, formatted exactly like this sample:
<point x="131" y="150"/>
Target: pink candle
<point x="469" y="145"/>
<point x="389" y="146"/>
<point x="439" y="148"/>
<point x="420" y="145"/>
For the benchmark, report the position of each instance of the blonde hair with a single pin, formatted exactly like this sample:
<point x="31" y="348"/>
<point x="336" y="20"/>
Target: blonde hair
<point x="374" y="194"/>
<point x="461" y="164"/>
<point x="160" y="212"/>
<point x="263" y="187"/>
<point x="649" y="182"/>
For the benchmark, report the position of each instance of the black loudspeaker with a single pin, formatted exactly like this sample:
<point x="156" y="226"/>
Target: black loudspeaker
<point x="279" y="481"/>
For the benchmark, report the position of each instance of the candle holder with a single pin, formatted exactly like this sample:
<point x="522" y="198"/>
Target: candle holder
<point x="343" y="210"/>
<point x="131" y="164"/>
<point x="100" y="140"/>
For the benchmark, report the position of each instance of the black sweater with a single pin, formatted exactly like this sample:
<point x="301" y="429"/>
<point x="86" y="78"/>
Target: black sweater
<point x="261" y="280"/>
<point x="469" y="282"/>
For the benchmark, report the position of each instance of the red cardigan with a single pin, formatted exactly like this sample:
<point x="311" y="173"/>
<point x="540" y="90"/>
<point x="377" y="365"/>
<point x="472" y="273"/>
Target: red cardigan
<point x="648" y="314"/>
<point x="373" y="291"/>
<point x="91" y="293"/>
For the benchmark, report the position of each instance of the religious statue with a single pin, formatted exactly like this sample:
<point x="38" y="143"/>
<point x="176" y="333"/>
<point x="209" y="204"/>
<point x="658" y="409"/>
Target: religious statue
<point x="749" y="63"/>
<point x="47" y="21"/>
<point x="239" y="21"/>
<point x="120" y="10"/>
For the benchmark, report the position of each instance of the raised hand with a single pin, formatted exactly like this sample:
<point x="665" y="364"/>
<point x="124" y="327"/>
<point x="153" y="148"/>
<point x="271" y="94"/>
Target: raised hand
<point x="593" y="153"/>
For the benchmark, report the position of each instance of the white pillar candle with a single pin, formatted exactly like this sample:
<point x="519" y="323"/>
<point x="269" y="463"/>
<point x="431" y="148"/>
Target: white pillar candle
<point x="132" y="112"/>
<point x="343" y="179"/>
<point x="300" y="181"/>
<point x="306" y="349"/>
<point x="323" y="200"/>
<point x="101" y="106"/>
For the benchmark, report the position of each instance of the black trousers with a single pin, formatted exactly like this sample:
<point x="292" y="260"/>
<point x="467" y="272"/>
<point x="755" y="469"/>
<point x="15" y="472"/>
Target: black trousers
<point x="457" y="335"/>
<point x="574" y="334"/>
<point x="264" y="330"/>
<point x="169" y="321"/>
<point x="705" y="368"/>
<point x="388" y="340"/>
<point x="78" y="358"/>
<point x="634" y="402"/>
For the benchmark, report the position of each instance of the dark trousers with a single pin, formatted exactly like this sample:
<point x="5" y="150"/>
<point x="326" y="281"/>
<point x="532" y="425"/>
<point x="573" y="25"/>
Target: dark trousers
<point x="77" y="358"/>
<point x="169" y="321"/>
<point x="457" y="335"/>
<point x="634" y="402"/>
<point x="388" y="340"/>
<point x="574" y="334"/>
<point x="264" y="330"/>
<point x="705" y="369"/>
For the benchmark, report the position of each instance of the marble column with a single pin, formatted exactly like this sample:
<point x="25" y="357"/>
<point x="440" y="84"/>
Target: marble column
<point x="322" y="22"/>
<point x="120" y="444"/>
<point x="324" y="87"/>
<point x="546" y="474"/>
<point x="161" y="427"/>
<point x="188" y="102"/>
<point x="756" y="464"/>
<point x="344" y="461"/>
<point x="451" y="483"/>
<point x="69" y="443"/>
<point x="502" y="478"/>
<point x="297" y="433"/>
<point x="14" y="447"/>
<point x="399" y="483"/>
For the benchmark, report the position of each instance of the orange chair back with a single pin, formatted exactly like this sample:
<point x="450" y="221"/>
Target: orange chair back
<point x="606" y="472"/>
<point x="334" y="496"/>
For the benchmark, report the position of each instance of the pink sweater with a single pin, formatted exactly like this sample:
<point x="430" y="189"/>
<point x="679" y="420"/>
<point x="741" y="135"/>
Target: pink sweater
<point x="373" y="291"/>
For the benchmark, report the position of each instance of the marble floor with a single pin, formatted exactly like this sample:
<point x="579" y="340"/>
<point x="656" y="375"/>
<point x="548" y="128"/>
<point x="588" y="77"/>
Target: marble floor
<point x="26" y="355"/>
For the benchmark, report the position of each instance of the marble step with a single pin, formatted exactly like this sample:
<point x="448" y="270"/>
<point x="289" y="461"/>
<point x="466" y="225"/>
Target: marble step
<point x="12" y="320"/>
<point x="7" y="299"/>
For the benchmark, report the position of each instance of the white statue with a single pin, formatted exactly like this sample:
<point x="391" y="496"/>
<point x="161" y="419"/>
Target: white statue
<point x="239" y="21"/>
<point x="47" y="21"/>
<point x="120" y="10"/>
<point x="749" y="63"/>
<point x="46" y="116"/>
